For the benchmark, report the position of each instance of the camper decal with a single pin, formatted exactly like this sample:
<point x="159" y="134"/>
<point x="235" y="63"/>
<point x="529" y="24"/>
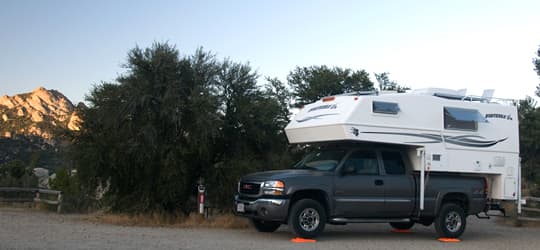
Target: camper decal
<point x="313" y="117"/>
<point x="354" y="131"/>
<point x="499" y="116"/>
<point x="461" y="140"/>
<point x="328" y="106"/>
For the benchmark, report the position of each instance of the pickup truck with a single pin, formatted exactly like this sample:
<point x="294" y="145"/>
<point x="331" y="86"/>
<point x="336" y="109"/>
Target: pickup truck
<point x="358" y="184"/>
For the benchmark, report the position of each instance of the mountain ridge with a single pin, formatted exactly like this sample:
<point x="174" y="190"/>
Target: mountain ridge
<point x="37" y="113"/>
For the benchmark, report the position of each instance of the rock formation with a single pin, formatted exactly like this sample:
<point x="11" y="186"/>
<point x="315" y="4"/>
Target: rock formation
<point x="38" y="113"/>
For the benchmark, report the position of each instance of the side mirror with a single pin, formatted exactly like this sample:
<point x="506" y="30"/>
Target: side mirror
<point x="349" y="170"/>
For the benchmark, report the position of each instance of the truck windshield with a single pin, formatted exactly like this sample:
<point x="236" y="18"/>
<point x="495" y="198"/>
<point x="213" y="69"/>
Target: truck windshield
<point x="322" y="160"/>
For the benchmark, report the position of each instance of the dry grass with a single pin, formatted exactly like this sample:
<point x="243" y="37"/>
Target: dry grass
<point x="164" y="220"/>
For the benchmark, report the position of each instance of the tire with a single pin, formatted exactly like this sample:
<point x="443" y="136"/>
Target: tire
<point x="451" y="221"/>
<point x="307" y="218"/>
<point x="265" y="226"/>
<point x="402" y="225"/>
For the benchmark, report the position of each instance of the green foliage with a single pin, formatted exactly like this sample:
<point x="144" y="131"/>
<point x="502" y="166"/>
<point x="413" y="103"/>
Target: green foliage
<point x="529" y="137"/>
<point x="16" y="174"/>
<point x="310" y="84"/>
<point x="536" y="62"/>
<point x="529" y="129"/>
<point x="171" y="120"/>
<point x="73" y="198"/>
<point x="386" y="84"/>
<point x="529" y="133"/>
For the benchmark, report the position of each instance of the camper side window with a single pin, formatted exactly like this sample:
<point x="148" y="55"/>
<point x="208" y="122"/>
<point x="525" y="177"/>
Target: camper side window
<point x="462" y="119"/>
<point x="385" y="108"/>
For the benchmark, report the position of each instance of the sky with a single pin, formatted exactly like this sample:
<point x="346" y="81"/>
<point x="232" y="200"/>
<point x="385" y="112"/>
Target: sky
<point x="72" y="46"/>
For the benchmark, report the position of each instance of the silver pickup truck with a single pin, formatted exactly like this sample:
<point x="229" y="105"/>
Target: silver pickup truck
<point x="358" y="184"/>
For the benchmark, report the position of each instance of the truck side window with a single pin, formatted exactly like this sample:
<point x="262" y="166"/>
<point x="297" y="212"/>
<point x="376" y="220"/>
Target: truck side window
<point x="364" y="162"/>
<point x="393" y="163"/>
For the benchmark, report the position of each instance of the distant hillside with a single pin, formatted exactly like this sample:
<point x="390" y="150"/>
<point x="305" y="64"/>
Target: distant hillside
<point x="30" y="123"/>
<point x="39" y="113"/>
<point x="33" y="151"/>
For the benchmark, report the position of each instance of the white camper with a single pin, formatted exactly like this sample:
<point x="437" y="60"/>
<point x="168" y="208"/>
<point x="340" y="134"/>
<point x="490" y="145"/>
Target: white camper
<point x="446" y="130"/>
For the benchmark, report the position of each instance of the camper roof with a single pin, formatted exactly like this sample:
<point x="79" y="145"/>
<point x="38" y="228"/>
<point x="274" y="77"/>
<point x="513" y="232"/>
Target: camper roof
<point x="461" y="94"/>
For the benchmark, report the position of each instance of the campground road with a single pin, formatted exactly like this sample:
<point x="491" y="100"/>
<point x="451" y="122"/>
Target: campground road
<point x="30" y="229"/>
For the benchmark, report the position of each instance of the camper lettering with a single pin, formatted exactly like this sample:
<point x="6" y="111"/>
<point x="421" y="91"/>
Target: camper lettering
<point x="328" y="106"/>
<point x="499" y="116"/>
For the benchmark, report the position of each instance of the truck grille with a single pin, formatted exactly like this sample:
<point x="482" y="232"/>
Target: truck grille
<point x="249" y="188"/>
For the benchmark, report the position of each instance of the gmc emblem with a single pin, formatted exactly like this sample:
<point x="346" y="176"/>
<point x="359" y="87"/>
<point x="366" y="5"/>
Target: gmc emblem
<point x="247" y="186"/>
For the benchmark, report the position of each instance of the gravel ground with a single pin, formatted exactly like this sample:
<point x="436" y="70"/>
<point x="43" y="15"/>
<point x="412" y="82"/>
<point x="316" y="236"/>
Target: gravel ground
<point x="31" y="229"/>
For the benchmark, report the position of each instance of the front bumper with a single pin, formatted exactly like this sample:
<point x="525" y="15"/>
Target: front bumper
<point x="264" y="208"/>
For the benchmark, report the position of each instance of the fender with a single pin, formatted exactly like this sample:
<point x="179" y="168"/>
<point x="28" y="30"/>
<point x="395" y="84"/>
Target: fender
<point x="442" y="193"/>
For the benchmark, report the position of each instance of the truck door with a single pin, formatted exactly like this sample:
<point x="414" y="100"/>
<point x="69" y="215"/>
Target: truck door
<point x="398" y="186"/>
<point x="358" y="187"/>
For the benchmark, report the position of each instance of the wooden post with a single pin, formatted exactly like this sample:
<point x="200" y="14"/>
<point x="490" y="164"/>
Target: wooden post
<point x="37" y="199"/>
<point x="59" y="205"/>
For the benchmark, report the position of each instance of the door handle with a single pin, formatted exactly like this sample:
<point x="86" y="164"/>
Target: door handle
<point x="379" y="182"/>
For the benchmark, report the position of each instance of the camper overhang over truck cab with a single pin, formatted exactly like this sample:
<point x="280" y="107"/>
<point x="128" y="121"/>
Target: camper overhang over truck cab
<point x="444" y="130"/>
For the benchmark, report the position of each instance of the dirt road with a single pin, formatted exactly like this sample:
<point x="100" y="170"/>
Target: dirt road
<point x="30" y="229"/>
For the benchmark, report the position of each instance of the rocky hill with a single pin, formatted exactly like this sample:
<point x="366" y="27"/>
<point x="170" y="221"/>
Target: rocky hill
<point x="39" y="113"/>
<point x="29" y="125"/>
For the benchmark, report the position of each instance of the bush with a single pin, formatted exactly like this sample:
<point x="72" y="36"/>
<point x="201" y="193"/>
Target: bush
<point x="16" y="174"/>
<point x="73" y="197"/>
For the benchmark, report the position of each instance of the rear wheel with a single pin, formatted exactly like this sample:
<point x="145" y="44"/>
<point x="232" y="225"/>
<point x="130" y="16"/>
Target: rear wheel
<point x="451" y="221"/>
<point x="265" y="226"/>
<point x="307" y="218"/>
<point x="402" y="225"/>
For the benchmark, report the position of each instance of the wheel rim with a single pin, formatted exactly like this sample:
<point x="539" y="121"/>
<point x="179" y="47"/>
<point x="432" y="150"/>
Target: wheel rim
<point x="309" y="219"/>
<point x="453" y="221"/>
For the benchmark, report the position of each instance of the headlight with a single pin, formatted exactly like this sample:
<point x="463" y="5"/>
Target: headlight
<point x="273" y="187"/>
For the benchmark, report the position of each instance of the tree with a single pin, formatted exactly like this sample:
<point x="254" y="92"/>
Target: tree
<point x="15" y="174"/>
<point x="148" y="136"/>
<point x="529" y="132"/>
<point x="536" y="62"/>
<point x="252" y="124"/>
<point x="172" y="120"/>
<point x="386" y="84"/>
<point x="309" y="84"/>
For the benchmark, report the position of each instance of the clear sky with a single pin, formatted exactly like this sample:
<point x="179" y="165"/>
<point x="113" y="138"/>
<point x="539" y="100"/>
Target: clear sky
<point x="474" y="44"/>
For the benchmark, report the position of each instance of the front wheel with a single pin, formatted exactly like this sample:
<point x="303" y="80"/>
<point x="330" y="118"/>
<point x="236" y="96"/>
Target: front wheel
<point x="265" y="226"/>
<point x="451" y="221"/>
<point x="307" y="218"/>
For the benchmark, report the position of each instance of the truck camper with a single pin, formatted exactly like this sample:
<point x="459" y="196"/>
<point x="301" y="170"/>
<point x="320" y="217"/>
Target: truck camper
<point x="444" y="130"/>
<point x="430" y="156"/>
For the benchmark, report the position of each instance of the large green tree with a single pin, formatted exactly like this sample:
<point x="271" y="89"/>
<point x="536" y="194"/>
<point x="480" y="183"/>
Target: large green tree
<point x="145" y="137"/>
<point x="309" y="84"/>
<point x="529" y="129"/>
<point x="536" y="62"/>
<point x="172" y="120"/>
<point x="252" y="129"/>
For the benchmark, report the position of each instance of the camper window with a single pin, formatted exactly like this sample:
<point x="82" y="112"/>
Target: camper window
<point x="462" y="119"/>
<point x="385" y="107"/>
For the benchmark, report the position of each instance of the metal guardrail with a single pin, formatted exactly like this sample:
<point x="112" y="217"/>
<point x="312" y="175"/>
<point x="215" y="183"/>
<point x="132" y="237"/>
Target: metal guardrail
<point x="16" y="194"/>
<point x="531" y="211"/>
